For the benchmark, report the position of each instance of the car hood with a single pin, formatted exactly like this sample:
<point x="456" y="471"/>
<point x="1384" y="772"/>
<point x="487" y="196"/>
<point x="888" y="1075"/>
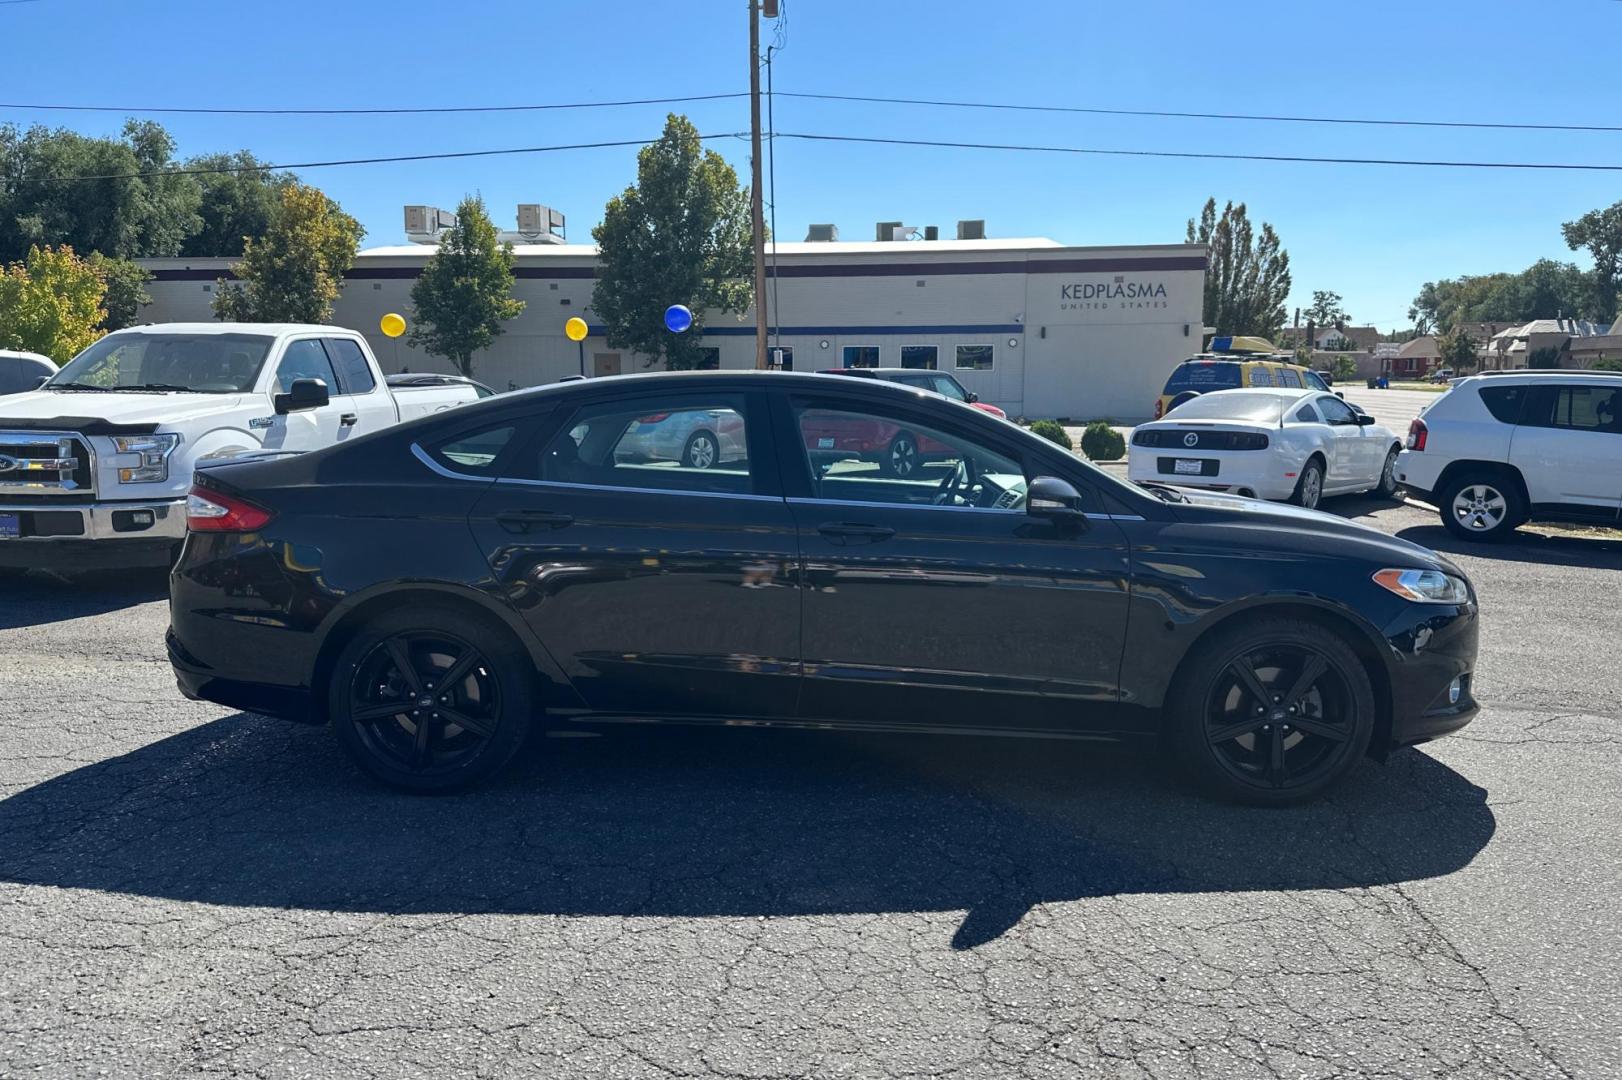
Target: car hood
<point x="116" y="408"/>
<point x="1311" y="528"/>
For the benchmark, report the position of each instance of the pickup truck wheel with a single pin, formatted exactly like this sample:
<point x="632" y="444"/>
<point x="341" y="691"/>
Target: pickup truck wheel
<point x="431" y="700"/>
<point x="1480" y="506"/>
<point x="1271" y="712"/>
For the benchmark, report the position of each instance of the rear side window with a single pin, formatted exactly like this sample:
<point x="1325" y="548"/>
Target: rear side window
<point x="1288" y="377"/>
<point x="1203" y="376"/>
<point x="353" y="371"/>
<point x="1306" y="414"/>
<point x="1504" y="402"/>
<point x="475" y="452"/>
<point x="1260" y="376"/>
<point x="680" y="444"/>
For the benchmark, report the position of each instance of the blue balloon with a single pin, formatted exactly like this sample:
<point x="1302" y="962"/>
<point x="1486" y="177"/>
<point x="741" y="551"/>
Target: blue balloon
<point x="678" y="318"/>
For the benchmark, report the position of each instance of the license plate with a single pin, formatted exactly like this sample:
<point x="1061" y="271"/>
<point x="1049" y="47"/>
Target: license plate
<point x="1187" y="467"/>
<point x="10" y="526"/>
<point x="825" y="444"/>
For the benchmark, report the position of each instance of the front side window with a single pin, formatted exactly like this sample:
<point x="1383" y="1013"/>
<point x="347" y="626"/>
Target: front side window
<point x="869" y="455"/>
<point x="946" y="386"/>
<point x="919" y="356"/>
<point x="1336" y="411"/>
<point x="864" y="356"/>
<point x="350" y="362"/>
<point x="684" y="444"/>
<point x="975" y="357"/>
<point x="200" y="363"/>
<point x="305" y="359"/>
<point x="1313" y="380"/>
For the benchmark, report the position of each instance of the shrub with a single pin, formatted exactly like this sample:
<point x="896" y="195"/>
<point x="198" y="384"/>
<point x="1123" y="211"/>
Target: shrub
<point x="1100" y="442"/>
<point x="1053" y="432"/>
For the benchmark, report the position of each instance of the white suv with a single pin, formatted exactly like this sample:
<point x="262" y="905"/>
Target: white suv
<point x="1504" y="448"/>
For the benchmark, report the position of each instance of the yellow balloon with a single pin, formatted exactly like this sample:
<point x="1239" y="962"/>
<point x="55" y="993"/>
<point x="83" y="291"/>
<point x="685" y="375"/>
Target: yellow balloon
<point x="393" y="325"/>
<point x="576" y="329"/>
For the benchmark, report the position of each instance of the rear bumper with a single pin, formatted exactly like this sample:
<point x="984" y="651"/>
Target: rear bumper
<point x="105" y="533"/>
<point x="197" y="682"/>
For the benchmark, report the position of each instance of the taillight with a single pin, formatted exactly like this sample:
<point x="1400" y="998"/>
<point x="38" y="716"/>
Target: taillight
<point x="1160" y="408"/>
<point x="208" y="510"/>
<point x="653" y="418"/>
<point x="1417" y="433"/>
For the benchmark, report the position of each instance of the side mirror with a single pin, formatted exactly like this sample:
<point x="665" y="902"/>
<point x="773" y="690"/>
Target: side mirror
<point x="1364" y="419"/>
<point x="1055" y="500"/>
<point x="970" y="396"/>
<point x="303" y="395"/>
<point x="1340" y="395"/>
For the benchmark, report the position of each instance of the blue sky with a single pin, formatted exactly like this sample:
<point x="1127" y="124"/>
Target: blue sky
<point x="1373" y="234"/>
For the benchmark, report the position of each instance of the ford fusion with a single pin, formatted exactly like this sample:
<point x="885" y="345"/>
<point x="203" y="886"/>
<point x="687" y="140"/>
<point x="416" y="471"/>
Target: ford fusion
<point x="439" y="590"/>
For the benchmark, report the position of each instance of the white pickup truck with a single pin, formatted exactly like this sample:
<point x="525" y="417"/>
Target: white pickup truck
<point x="95" y="464"/>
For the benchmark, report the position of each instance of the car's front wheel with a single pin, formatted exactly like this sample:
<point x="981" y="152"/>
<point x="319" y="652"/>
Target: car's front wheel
<point x="431" y="699"/>
<point x="1272" y="712"/>
<point x="702" y="451"/>
<point x="1480" y="507"/>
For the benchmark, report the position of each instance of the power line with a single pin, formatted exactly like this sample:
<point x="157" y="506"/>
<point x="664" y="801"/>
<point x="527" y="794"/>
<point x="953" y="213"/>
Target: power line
<point x="267" y="167"/>
<point x="1274" y="118"/>
<point x="1212" y="156"/>
<point x="425" y="110"/>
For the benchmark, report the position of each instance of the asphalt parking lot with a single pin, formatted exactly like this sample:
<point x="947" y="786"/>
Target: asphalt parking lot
<point x="188" y="891"/>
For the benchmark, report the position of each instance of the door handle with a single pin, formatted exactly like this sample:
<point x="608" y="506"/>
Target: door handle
<point x="348" y="419"/>
<point x="841" y="532"/>
<point x="523" y="521"/>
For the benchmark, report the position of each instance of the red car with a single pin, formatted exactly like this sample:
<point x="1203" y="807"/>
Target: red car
<point x="897" y="451"/>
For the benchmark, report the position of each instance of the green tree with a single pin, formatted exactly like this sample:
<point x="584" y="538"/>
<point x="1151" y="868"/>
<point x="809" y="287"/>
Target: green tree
<point x="1608" y="363"/>
<point x="234" y="205"/>
<point x="1344" y="368"/>
<point x="50" y="303"/>
<point x="1544" y="290"/>
<point x="1600" y="231"/>
<point x="294" y="272"/>
<point x="1326" y="308"/>
<point x="1248" y="278"/>
<point x="1456" y="350"/>
<point x="123" y="215"/>
<point x="465" y="291"/>
<point x="679" y="235"/>
<point x="126" y="289"/>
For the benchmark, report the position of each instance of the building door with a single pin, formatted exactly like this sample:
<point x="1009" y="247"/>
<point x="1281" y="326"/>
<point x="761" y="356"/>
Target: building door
<point x="605" y="363"/>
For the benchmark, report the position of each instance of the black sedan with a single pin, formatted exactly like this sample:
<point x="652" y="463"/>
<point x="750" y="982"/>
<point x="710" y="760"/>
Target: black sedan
<point x="437" y="590"/>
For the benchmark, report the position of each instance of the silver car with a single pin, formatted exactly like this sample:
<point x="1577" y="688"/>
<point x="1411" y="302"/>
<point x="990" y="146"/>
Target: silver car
<point x="694" y="438"/>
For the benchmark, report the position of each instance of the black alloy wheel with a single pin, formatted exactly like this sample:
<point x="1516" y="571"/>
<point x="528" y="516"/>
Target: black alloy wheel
<point x="1274" y="713"/>
<point x="430" y="702"/>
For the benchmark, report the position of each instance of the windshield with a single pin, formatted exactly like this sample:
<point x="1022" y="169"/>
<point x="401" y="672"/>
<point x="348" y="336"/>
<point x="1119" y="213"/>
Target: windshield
<point x="1203" y="375"/>
<point x="1265" y="408"/>
<point x="202" y="363"/>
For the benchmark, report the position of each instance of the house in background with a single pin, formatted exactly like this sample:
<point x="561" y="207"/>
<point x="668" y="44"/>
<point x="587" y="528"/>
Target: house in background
<point x="1555" y="343"/>
<point x="1415" y="359"/>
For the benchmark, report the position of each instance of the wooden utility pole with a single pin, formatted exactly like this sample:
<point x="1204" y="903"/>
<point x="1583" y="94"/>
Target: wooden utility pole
<point x="756" y="215"/>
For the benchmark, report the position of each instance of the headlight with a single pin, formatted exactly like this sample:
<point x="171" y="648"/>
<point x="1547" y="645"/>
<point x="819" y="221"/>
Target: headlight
<point x="1424" y="586"/>
<point x="153" y="453"/>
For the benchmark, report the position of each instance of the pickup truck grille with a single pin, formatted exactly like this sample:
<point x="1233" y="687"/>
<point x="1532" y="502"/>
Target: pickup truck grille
<point x="45" y="463"/>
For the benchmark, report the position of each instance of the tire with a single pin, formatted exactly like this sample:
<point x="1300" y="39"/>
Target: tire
<point x="1243" y="751"/>
<point x="1387" y="486"/>
<point x="702" y="451"/>
<point x="1483" y="506"/>
<point x="901" y="457"/>
<point x="493" y="700"/>
<point x="1309" y="486"/>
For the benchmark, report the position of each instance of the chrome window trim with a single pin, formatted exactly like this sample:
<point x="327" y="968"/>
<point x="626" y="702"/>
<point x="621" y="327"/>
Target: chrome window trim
<point x="813" y="500"/>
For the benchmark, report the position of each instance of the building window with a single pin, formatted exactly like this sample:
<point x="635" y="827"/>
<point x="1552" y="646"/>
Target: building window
<point x="918" y="356"/>
<point x="710" y="358"/>
<point x="974" y="357"/>
<point x="781" y="356"/>
<point x="861" y="355"/>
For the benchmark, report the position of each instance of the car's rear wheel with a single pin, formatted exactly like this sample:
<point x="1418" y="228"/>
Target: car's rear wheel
<point x="702" y="451"/>
<point x="1272" y="712"/>
<point x="1309" y="486"/>
<point x="901" y="456"/>
<point x="431" y="699"/>
<point x="1480" y="506"/>
<point x="1387" y="487"/>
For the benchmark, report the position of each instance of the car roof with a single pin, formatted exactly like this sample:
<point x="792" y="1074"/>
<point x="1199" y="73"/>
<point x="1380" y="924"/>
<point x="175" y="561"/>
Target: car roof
<point x="879" y="372"/>
<point x="257" y="329"/>
<point x="1534" y="374"/>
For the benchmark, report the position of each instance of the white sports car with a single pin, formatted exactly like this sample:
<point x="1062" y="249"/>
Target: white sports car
<point x="1298" y="445"/>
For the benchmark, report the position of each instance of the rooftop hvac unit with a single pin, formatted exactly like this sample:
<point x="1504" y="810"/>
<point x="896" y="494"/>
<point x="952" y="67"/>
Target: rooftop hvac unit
<point x="427" y="221"/>
<point x="885" y="230"/>
<point x="932" y="232"/>
<point x="822" y="234"/>
<point x="539" y="223"/>
<point x="972" y="230"/>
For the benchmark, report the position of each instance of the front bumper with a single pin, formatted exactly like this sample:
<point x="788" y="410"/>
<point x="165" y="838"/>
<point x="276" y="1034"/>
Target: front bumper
<point x="92" y="534"/>
<point x="1431" y="647"/>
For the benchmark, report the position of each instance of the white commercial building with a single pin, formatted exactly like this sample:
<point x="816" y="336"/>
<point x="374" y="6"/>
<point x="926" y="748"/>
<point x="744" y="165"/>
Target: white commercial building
<point x="1038" y="328"/>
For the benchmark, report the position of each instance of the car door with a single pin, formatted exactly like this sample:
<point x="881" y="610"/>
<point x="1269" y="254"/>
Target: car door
<point x="931" y="598"/>
<point x="663" y="590"/>
<point x="367" y="404"/>
<point x="1568" y="447"/>
<point x="308" y="429"/>
<point x="1349" y="466"/>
